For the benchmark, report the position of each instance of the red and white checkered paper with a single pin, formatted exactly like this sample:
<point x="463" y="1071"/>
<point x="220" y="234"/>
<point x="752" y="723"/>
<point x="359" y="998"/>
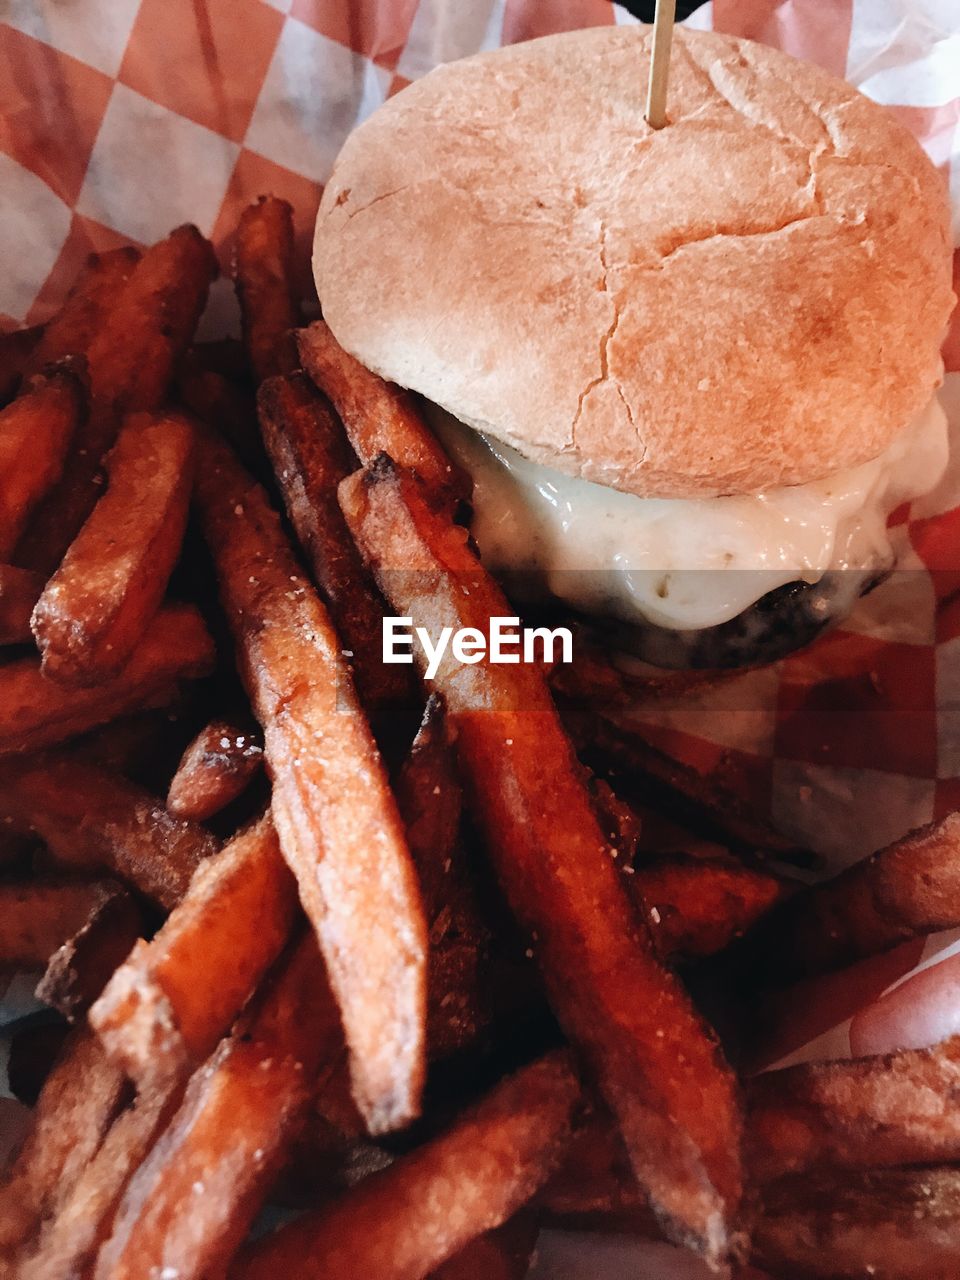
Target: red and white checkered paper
<point x="120" y="119"/>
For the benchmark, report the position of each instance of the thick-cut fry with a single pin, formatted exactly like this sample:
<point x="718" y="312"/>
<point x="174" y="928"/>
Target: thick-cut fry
<point x="399" y="1224"/>
<point x="69" y="1242"/>
<point x="164" y="1010"/>
<point x="35" y="432"/>
<point x="72" y="329"/>
<point x="337" y="819"/>
<point x="217" y="767"/>
<point x="131" y="358"/>
<point x="697" y="906"/>
<point x="38" y="916"/>
<point x="96" y="607"/>
<point x="264" y="276"/>
<point x="894" y="1110"/>
<point x="909" y="889"/>
<point x="19" y="592"/>
<point x="76" y="1105"/>
<point x="239" y="1115"/>
<point x="93" y="819"/>
<point x="896" y="1224"/>
<point x="16" y="348"/>
<point x="36" y="712"/>
<point x="697" y="802"/>
<point x="310" y="456"/>
<point x="213" y="398"/>
<point x="430" y="799"/>
<point x="659" y="1066"/>
<point x="378" y="416"/>
<point x="78" y="971"/>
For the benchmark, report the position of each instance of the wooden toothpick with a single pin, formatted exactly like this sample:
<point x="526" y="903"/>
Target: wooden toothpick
<point x="663" y="20"/>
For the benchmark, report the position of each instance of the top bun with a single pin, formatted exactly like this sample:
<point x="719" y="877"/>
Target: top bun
<point x="753" y="296"/>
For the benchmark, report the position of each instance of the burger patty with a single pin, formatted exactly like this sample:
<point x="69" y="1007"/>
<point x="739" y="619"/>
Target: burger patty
<point x="780" y="622"/>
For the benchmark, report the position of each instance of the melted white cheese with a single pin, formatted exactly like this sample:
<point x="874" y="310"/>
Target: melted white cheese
<point x="685" y="563"/>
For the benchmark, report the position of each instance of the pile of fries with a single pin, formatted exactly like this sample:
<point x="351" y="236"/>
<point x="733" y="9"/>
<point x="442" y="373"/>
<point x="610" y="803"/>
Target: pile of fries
<point x="392" y="964"/>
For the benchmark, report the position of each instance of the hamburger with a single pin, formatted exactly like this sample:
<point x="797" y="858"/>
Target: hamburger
<point x="691" y="371"/>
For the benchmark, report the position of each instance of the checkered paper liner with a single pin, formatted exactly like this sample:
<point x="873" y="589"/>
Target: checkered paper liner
<point x="120" y="119"/>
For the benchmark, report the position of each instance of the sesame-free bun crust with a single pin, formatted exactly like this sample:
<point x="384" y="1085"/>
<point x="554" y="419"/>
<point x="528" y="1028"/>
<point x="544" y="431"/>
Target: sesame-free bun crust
<point x="753" y="296"/>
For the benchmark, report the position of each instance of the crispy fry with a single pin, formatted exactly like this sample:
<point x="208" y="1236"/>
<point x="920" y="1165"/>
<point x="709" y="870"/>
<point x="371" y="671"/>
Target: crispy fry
<point x="216" y="767"/>
<point x="68" y="1243"/>
<point x="378" y="416"/>
<point x="696" y="907"/>
<point x="131" y="358"/>
<point x="93" y="819"/>
<point x="700" y="803"/>
<point x="896" y="1224"/>
<point x="72" y="329"/>
<point x="399" y="1224"/>
<point x="165" y="1009"/>
<point x="94" y="610"/>
<point x="239" y="1115"/>
<point x="263" y="272"/>
<point x="19" y="592"/>
<point x="16" y="348"/>
<point x="36" y="713"/>
<point x="38" y="916"/>
<point x="655" y="1060"/>
<point x="872" y="1112"/>
<point x="212" y="398"/>
<point x="35" y="431"/>
<point x="338" y="823"/>
<point x="430" y="799"/>
<point x="908" y="889"/>
<point x="78" y="971"/>
<point x="310" y="456"/>
<point x="76" y="1105"/>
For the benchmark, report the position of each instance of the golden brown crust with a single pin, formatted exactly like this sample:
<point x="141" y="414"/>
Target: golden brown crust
<point x="753" y="296"/>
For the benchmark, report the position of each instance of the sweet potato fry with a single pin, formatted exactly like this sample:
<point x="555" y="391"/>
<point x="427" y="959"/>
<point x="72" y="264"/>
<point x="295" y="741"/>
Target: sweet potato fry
<point x="310" y="456"/>
<point x="264" y="277"/>
<point x="378" y="416"/>
<point x="72" y="329"/>
<point x="96" y="607"/>
<point x="895" y="1224"/>
<point x="36" y="712"/>
<point x="337" y="819"/>
<point x="19" y="592"/>
<point x="430" y="799"/>
<point x="213" y="398"/>
<point x="238" y="1118"/>
<point x="909" y="889"/>
<point x="398" y="1224"/>
<point x="39" y="916"/>
<point x="131" y="358"/>
<point x="701" y="804"/>
<point x="68" y="1243"/>
<point x="696" y="907"/>
<point x="93" y="819"/>
<point x="165" y="1009"/>
<point x="16" y="348"/>
<point x="657" y="1063"/>
<point x="35" y="431"/>
<point x="76" y="1105"/>
<point x="873" y="1112"/>
<point x="78" y="971"/>
<point x="34" y="1050"/>
<point x="216" y="767"/>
